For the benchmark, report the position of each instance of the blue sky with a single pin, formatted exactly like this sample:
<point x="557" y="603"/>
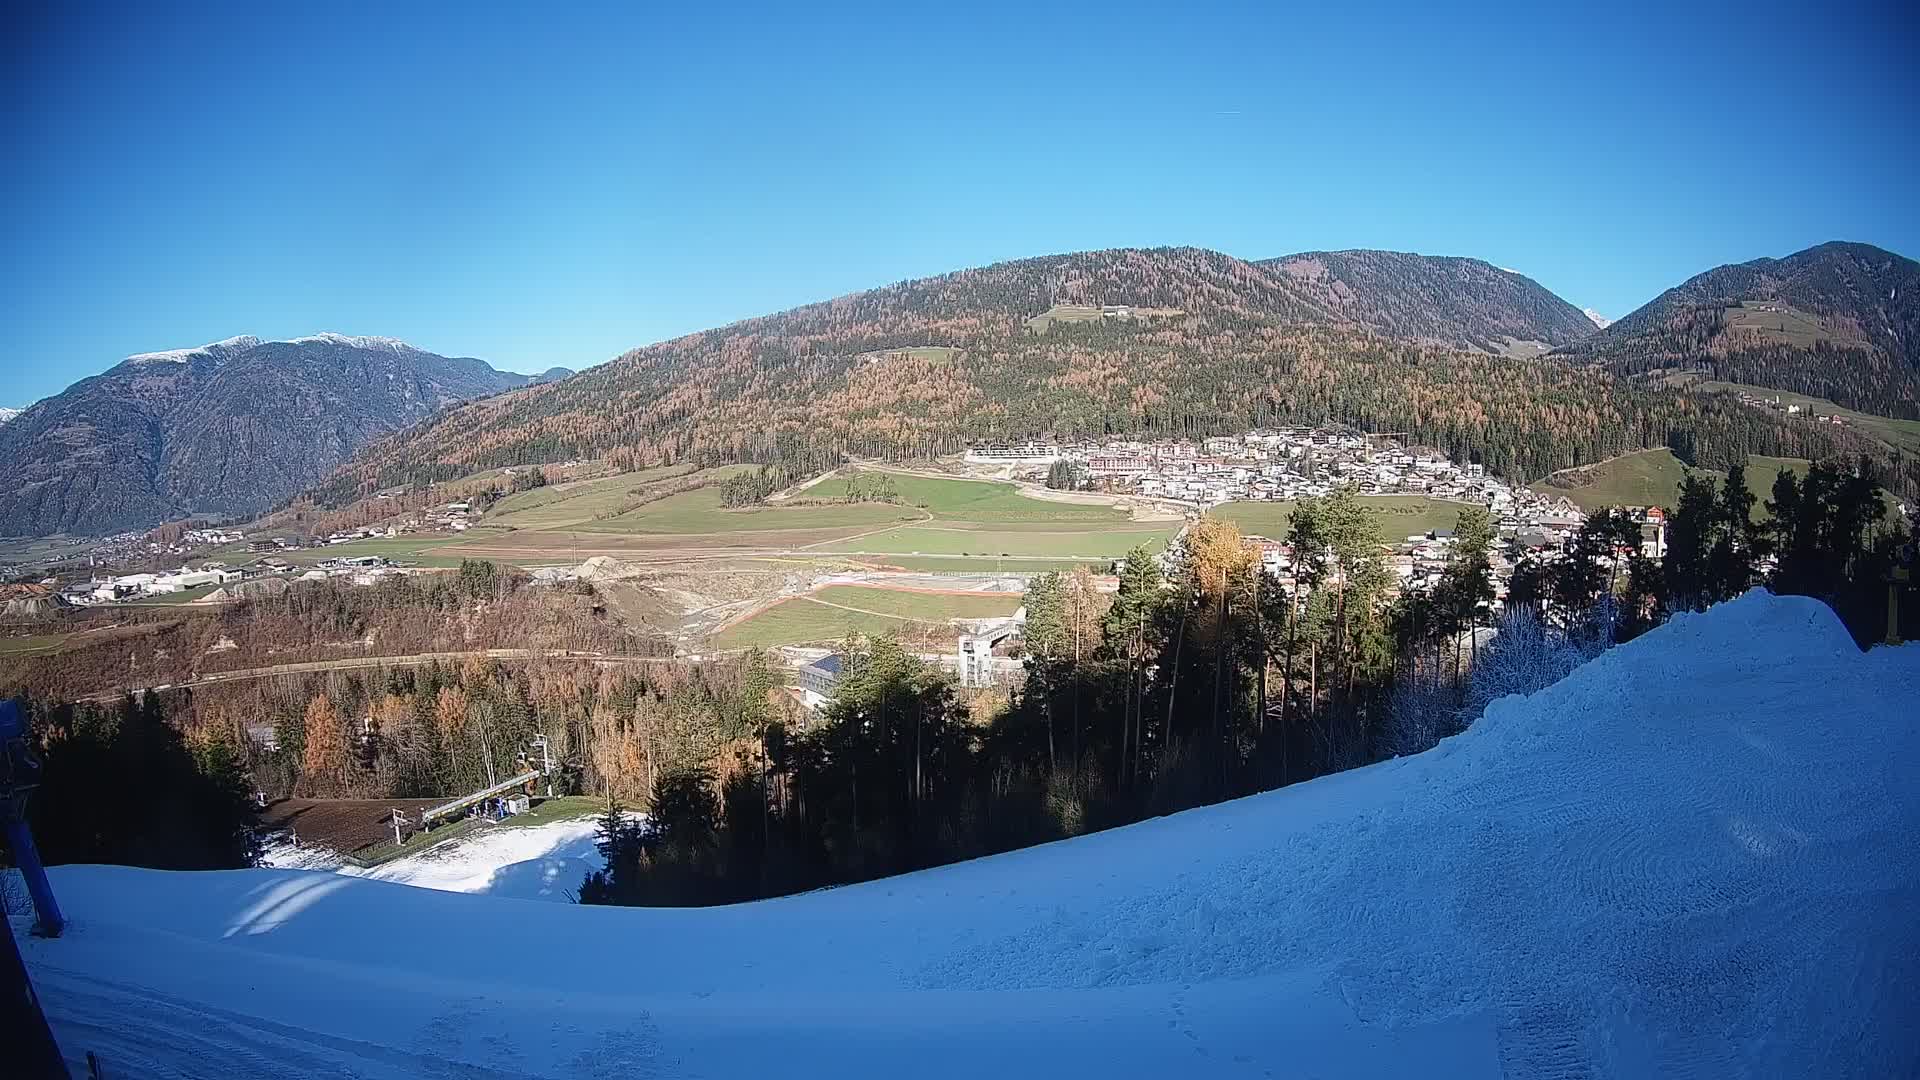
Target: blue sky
<point x="553" y="190"/>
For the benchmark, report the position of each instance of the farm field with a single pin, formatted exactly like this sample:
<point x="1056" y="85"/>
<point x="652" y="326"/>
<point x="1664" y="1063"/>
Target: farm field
<point x="975" y="500"/>
<point x="833" y="613"/>
<point x="564" y="505"/>
<point x="1400" y="516"/>
<point x="926" y="606"/>
<point x="1055" y="544"/>
<point x="37" y="549"/>
<point x="416" y="548"/>
<point x="800" y="621"/>
<point x="981" y="564"/>
<point x="32" y="644"/>
<point x="699" y="512"/>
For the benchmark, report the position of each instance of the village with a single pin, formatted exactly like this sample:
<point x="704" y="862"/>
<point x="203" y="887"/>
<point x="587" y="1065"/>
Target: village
<point x="1285" y="465"/>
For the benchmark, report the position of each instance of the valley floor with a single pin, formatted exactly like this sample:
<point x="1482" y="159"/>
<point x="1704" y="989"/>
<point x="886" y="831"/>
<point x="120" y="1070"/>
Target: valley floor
<point x="1694" y="857"/>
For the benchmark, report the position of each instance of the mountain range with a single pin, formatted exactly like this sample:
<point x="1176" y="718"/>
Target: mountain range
<point x="1455" y="353"/>
<point x="227" y="428"/>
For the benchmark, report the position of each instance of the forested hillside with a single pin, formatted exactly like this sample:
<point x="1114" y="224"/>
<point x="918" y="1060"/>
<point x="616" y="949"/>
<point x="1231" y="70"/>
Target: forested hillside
<point x="1839" y="321"/>
<point x="1464" y="303"/>
<point x="1211" y="343"/>
<point x="226" y="428"/>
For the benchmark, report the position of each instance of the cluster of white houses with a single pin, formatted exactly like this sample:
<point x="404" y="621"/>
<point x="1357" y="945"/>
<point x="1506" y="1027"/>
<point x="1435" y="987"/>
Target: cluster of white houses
<point x="107" y="590"/>
<point x="1284" y="465"/>
<point x="358" y="569"/>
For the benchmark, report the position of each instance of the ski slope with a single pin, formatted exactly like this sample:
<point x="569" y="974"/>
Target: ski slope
<point x="1694" y="857"/>
<point x="523" y="862"/>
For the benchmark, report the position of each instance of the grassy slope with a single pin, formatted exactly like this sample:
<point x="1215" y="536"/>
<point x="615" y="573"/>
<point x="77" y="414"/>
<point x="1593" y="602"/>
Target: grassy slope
<point x="1646" y="478"/>
<point x="1652" y="478"/>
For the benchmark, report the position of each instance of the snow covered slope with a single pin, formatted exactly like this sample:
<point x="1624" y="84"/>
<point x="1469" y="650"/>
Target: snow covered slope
<point x="1694" y="857"/>
<point x="532" y="862"/>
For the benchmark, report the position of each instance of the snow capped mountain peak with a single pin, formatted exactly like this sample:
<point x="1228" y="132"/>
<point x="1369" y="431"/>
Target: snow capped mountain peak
<point x="1598" y="319"/>
<point x="216" y="349"/>
<point x="8" y="414"/>
<point x="328" y="337"/>
<point x="233" y="346"/>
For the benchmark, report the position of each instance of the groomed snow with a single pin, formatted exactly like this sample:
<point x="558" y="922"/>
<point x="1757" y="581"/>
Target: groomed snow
<point x="1694" y="857"/>
<point x="534" y="862"/>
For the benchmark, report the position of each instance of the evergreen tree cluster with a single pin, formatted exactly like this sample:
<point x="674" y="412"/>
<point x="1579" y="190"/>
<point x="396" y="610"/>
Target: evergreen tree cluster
<point x="122" y="784"/>
<point x="752" y="488"/>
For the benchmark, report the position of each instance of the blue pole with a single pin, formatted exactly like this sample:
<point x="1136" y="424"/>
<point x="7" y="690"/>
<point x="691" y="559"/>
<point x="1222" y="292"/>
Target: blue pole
<point x="19" y="775"/>
<point x="20" y="838"/>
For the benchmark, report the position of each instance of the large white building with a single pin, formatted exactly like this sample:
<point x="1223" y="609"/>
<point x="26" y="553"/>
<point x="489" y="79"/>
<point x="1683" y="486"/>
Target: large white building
<point x="1022" y="453"/>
